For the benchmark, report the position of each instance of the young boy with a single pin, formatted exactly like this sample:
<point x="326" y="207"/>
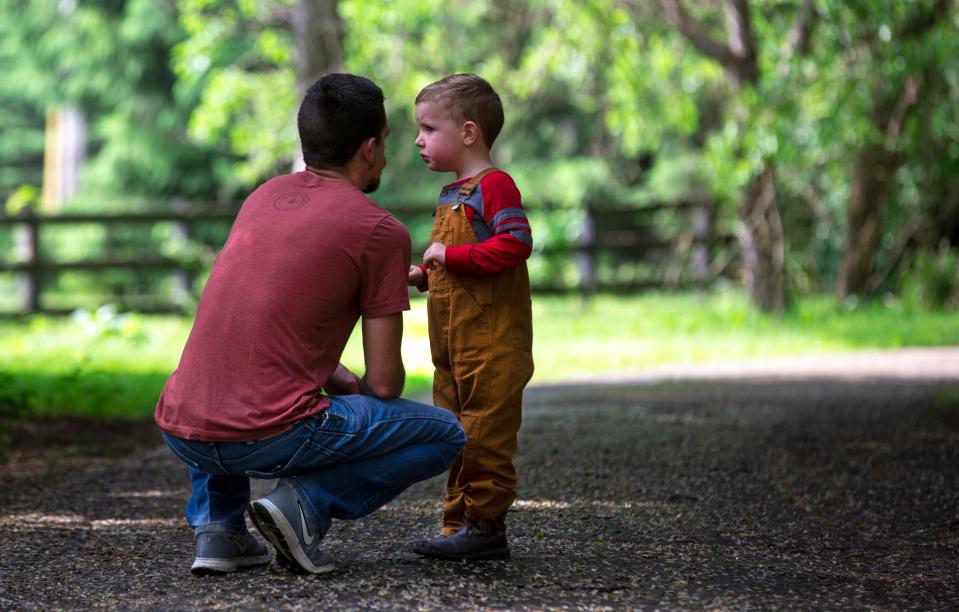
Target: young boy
<point x="480" y="321"/>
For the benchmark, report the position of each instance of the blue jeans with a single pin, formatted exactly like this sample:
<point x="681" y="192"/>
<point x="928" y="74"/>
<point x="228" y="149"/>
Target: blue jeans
<point x="344" y="462"/>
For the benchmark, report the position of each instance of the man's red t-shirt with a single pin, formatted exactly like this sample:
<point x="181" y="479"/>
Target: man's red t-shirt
<point x="306" y="257"/>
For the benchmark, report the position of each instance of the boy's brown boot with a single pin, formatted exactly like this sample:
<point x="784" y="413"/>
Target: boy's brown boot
<point x="477" y="540"/>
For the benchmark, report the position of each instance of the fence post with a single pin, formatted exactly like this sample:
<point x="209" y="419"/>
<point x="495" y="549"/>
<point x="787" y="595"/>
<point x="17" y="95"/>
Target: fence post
<point x="586" y="254"/>
<point x="183" y="278"/>
<point x="702" y="222"/>
<point x="27" y="248"/>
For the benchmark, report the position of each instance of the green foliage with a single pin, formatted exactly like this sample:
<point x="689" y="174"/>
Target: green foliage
<point x="14" y="400"/>
<point x="932" y="281"/>
<point x="98" y="363"/>
<point x="605" y="101"/>
<point x="878" y="50"/>
<point x="23" y="198"/>
<point x="240" y="73"/>
<point x="242" y="66"/>
<point x="21" y="88"/>
<point x="112" y="60"/>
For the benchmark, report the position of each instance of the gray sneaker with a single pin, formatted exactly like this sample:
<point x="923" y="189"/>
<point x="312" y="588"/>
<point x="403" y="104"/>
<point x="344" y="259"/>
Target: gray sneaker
<point x="281" y="519"/>
<point x="222" y="553"/>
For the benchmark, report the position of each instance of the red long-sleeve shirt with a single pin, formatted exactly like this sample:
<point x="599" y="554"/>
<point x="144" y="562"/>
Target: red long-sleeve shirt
<point x="495" y="210"/>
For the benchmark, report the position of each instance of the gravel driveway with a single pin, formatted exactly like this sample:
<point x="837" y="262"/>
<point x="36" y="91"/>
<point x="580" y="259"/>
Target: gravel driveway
<point x="815" y="483"/>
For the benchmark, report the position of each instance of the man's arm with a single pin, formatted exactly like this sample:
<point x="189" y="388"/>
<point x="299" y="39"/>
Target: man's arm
<point x="385" y="375"/>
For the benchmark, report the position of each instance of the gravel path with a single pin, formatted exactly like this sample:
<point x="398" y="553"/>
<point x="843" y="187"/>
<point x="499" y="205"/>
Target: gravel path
<point x="816" y="483"/>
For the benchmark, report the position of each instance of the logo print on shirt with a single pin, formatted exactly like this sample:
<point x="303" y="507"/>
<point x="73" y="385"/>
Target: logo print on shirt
<point x="307" y="536"/>
<point x="291" y="201"/>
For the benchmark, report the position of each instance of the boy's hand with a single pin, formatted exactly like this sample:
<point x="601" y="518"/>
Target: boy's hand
<point x="342" y="382"/>
<point x="416" y="276"/>
<point x="435" y="255"/>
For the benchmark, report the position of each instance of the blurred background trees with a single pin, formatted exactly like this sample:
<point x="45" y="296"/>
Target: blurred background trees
<point x="823" y="133"/>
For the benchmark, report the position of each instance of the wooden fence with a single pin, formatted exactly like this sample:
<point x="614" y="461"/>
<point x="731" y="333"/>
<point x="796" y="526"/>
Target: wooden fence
<point x="684" y="253"/>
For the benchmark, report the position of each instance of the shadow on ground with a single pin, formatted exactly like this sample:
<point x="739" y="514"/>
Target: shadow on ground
<point x="809" y="493"/>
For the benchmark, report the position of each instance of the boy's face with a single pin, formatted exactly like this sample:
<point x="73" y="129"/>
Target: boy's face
<point x="440" y="139"/>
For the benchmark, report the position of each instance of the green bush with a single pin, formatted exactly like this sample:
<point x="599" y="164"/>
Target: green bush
<point x="110" y="364"/>
<point x="932" y="280"/>
<point x="14" y="400"/>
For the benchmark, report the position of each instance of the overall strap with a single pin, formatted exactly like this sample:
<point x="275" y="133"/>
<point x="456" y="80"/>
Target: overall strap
<point x="471" y="184"/>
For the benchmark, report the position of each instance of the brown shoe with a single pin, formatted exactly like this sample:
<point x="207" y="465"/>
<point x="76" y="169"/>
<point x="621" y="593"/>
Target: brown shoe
<point x="477" y="540"/>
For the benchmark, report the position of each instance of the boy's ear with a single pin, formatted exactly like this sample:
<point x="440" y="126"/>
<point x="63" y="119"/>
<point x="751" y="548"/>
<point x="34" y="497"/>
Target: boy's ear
<point x="471" y="133"/>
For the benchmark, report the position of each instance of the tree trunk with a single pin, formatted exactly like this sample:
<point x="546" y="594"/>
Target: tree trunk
<point x="877" y="163"/>
<point x="318" y="38"/>
<point x="64" y="150"/>
<point x="760" y="231"/>
<point x="872" y="182"/>
<point x="318" y="35"/>
<point x="762" y="243"/>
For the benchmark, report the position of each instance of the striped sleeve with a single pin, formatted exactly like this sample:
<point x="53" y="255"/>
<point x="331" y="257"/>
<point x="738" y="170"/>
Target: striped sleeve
<point x="512" y="222"/>
<point x="511" y="240"/>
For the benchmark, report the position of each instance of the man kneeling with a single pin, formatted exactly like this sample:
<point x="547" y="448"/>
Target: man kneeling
<point x="259" y="391"/>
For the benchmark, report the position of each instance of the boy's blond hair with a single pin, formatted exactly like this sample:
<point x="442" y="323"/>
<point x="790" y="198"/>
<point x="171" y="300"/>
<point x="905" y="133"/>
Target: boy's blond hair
<point x="468" y="97"/>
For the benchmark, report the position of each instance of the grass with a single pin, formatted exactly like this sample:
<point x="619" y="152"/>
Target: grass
<point x="114" y="365"/>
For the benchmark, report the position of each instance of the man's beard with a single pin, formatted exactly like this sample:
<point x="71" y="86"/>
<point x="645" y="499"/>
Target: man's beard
<point x="372" y="186"/>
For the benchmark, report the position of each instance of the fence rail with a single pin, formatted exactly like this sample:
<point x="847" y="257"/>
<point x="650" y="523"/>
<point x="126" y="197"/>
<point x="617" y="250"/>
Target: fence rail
<point x="692" y="254"/>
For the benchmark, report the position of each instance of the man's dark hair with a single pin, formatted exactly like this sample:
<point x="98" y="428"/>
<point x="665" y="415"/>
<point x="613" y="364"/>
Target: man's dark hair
<point x="338" y="113"/>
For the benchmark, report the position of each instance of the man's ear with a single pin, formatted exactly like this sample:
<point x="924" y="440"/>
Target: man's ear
<point x="471" y="133"/>
<point x="368" y="150"/>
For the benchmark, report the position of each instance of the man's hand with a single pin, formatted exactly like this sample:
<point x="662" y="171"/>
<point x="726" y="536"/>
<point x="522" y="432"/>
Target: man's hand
<point x="342" y="382"/>
<point x="435" y="255"/>
<point x="416" y="276"/>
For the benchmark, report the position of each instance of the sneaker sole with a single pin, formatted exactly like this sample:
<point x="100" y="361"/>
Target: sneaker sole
<point x="212" y="566"/>
<point x="270" y="522"/>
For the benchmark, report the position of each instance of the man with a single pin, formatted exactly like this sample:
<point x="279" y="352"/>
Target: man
<point x="308" y="255"/>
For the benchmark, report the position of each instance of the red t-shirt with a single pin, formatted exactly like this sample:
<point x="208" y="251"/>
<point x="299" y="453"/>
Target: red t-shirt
<point x="306" y="257"/>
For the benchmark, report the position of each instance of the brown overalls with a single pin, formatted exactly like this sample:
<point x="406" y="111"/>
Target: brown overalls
<point x="481" y="338"/>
